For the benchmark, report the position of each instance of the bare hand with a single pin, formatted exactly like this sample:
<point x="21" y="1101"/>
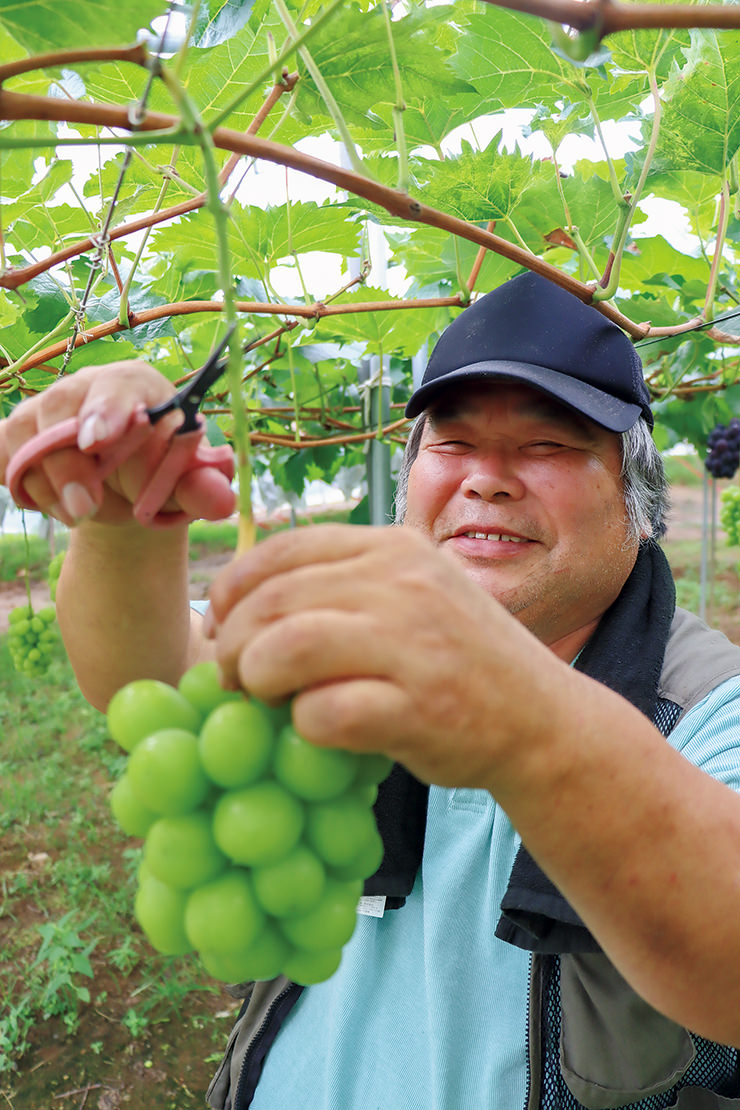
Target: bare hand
<point x="386" y="645"/>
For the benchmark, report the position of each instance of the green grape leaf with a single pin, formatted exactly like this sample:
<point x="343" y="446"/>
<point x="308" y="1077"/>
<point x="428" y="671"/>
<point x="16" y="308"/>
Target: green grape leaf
<point x="9" y="310"/>
<point x="637" y="51"/>
<point x="264" y="236"/>
<point x="40" y="25"/>
<point x="426" y="121"/>
<point x="556" y="126"/>
<point x="111" y="349"/>
<point x="46" y="305"/>
<point x="104" y="308"/>
<point x="592" y="206"/>
<point x="353" y="56"/>
<point x="654" y="261"/>
<point x="17" y="166"/>
<point x="479" y="185"/>
<point x="700" y="129"/>
<point x="508" y="58"/>
<point x="396" y="331"/>
<point x="430" y="257"/>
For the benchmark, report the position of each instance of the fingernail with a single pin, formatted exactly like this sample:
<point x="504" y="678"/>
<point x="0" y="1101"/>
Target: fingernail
<point x="77" y="502"/>
<point x="94" y="429"/>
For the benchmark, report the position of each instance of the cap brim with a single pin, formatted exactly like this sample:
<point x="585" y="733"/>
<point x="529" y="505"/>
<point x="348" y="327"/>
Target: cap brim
<point x="602" y="408"/>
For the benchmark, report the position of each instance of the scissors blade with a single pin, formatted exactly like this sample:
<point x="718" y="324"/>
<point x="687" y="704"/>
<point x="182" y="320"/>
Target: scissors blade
<point x="189" y="398"/>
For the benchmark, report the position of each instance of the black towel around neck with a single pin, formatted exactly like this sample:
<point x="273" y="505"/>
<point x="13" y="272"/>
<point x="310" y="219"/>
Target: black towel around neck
<point x="626" y="654"/>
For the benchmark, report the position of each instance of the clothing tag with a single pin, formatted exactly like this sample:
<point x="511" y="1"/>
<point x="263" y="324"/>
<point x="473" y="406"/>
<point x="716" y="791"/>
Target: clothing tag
<point x="372" y="905"/>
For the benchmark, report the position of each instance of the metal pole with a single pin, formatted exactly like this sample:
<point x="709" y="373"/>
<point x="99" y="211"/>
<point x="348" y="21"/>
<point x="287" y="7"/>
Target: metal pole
<point x="419" y="365"/>
<point x="713" y="544"/>
<point x="704" y="548"/>
<point x="379" y="485"/>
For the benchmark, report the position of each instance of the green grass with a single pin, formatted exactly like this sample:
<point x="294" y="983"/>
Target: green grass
<point x="67" y="882"/>
<point x="208" y="537"/>
<point x="14" y="557"/>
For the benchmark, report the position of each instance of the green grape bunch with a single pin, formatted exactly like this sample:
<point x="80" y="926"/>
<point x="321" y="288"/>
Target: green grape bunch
<point x="256" y="843"/>
<point x="32" y="638"/>
<point x="55" y="567"/>
<point x="729" y="515"/>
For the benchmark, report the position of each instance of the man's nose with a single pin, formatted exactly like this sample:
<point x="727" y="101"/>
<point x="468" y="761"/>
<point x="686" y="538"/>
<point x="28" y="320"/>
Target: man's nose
<point x="493" y="474"/>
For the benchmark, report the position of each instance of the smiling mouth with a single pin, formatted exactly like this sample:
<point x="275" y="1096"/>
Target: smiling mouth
<point x="497" y="537"/>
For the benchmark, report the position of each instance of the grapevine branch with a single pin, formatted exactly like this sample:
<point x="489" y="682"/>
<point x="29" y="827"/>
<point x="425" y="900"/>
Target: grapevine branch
<point x="401" y="205"/>
<point x="102" y="249"/>
<point x="15" y="278"/>
<point x="315" y="311"/>
<point x="606" y="17"/>
<point x="138" y="54"/>
<point x="333" y="441"/>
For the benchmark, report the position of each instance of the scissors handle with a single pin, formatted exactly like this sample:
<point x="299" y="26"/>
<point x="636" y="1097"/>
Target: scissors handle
<point x="183" y="454"/>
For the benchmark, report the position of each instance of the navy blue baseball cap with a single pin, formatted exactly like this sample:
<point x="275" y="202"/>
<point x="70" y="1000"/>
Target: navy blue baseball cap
<point x="530" y="330"/>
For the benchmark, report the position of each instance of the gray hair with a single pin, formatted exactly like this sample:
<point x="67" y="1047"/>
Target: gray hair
<point x="643" y="477"/>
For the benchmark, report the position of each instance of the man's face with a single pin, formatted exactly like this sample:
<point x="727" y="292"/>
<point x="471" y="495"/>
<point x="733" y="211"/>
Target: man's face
<point x="525" y="494"/>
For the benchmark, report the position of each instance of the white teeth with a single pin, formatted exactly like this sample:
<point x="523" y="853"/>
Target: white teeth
<point x="497" y="536"/>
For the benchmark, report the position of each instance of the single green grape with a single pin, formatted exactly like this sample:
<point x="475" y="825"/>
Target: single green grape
<point x="223" y="915"/>
<point x="365" y="863"/>
<point x="160" y="910"/>
<point x="314" y="774"/>
<point x="292" y="885"/>
<point x="145" y="706"/>
<point x="330" y="923"/>
<point x="340" y="829"/>
<point x="262" y="959"/>
<point x="257" y="824"/>
<point x="181" y="850"/>
<point x="236" y="743"/>
<point x="133" y="817"/>
<point x="201" y="686"/>
<point x="166" y="773"/>
<point x="372" y="768"/>
<point x="312" y="967"/>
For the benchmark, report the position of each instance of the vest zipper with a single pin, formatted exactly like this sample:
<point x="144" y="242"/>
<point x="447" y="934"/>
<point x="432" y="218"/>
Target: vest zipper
<point x="534" y="1034"/>
<point x="266" y="1022"/>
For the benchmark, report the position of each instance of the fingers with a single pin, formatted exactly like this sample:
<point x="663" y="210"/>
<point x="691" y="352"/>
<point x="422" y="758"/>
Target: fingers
<point x="346" y="586"/>
<point x="113" y="396"/>
<point x="205" y="494"/>
<point x="324" y="544"/>
<point x="354" y="714"/>
<point x="300" y="650"/>
<point x="69" y="488"/>
<point x="66" y="483"/>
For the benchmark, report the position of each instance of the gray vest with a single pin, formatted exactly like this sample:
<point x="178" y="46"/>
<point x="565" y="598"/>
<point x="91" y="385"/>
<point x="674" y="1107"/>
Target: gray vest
<point x="594" y="1042"/>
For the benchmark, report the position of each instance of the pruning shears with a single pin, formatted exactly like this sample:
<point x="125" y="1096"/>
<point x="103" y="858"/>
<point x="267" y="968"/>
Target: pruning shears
<point x="183" y="452"/>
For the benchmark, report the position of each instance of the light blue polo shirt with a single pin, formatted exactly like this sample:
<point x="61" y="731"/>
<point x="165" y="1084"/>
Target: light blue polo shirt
<point x="428" y="1009"/>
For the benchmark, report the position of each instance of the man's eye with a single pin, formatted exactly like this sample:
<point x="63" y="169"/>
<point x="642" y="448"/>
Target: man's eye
<point x="546" y="445"/>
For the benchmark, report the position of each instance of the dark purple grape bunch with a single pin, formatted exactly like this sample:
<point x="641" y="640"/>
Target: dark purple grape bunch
<point x="723" y="454"/>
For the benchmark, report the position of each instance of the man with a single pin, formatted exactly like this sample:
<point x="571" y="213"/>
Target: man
<point x="512" y="644"/>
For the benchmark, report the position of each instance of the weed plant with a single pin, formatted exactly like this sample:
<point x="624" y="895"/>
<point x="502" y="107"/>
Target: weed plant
<point x="14" y="560"/>
<point x="69" y="944"/>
